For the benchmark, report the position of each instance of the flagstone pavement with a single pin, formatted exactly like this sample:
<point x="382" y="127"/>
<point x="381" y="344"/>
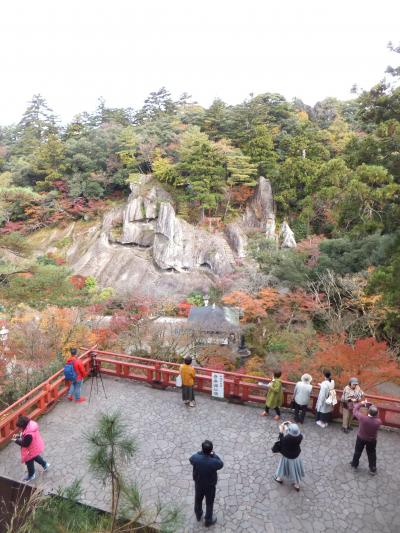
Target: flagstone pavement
<point x="333" y="498"/>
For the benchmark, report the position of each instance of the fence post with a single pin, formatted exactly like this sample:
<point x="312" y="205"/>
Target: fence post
<point x="234" y="395"/>
<point x="156" y="381"/>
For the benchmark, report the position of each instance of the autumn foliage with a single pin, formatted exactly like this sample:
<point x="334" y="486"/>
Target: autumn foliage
<point x="287" y="306"/>
<point x="367" y="359"/>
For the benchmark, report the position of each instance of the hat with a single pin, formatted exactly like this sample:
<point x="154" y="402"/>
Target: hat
<point x="354" y="381"/>
<point x="306" y="377"/>
<point x="293" y="430"/>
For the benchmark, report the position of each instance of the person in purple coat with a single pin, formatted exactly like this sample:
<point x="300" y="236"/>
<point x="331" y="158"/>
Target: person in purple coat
<point x="368" y="426"/>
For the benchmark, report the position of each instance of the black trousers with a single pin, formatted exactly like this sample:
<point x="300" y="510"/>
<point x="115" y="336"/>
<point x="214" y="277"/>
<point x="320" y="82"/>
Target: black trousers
<point x="277" y="410"/>
<point x="31" y="464"/>
<point x="299" y="412"/>
<point x="187" y="393"/>
<point x="200" y="493"/>
<point x="371" y="452"/>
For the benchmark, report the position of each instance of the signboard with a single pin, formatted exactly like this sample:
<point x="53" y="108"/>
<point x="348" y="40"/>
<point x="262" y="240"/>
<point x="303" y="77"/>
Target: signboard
<point x="217" y="385"/>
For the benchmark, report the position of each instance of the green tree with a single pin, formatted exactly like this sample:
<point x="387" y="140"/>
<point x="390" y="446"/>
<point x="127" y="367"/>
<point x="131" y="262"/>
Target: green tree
<point x="260" y="149"/>
<point x="111" y="450"/>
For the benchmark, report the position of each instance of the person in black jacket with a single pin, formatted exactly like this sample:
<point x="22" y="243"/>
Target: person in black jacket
<point x="290" y="465"/>
<point x="205" y="466"/>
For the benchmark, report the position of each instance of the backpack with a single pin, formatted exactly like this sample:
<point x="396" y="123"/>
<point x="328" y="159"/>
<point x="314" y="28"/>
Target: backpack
<point x="70" y="372"/>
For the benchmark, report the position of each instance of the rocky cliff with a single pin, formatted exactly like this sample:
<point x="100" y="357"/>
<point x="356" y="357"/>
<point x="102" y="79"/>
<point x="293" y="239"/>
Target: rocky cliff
<point x="144" y="247"/>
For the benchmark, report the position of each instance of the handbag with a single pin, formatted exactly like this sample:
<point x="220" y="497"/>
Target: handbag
<point x="276" y="448"/>
<point x="331" y="400"/>
<point x="178" y="381"/>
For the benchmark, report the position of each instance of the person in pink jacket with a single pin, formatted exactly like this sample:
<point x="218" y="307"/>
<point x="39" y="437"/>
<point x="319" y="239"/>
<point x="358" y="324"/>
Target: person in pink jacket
<point x="32" y="446"/>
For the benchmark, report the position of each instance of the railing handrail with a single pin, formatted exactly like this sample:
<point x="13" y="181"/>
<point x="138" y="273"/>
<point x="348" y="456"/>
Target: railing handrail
<point x="229" y="373"/>
<point x="238" y="387"/>
<point x="38" y="387"/>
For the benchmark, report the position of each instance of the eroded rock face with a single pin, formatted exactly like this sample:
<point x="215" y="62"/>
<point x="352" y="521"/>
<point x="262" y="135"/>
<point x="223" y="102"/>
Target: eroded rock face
<point x="261" y="206"/>
<point x="141" y="212"/>
<point x="182" y="247"/>
<point x="236" y="238"/>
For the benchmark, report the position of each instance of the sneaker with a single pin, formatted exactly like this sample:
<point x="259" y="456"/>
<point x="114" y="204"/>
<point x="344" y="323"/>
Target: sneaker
<point x="319" y="423"/>
<point x="372" y="471"/>
<point x="81" y="400"/>
<point x="46" y="467"/>
<point x="345" y="430"/>
<point x="192" y="404"/>
<point x="29" y="478"/>
<point x="352" y="466"/>
<point x="70" y="398"/>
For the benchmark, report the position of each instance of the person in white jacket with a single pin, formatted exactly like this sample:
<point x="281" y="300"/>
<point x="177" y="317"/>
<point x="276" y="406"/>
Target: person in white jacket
<point x="301" y="397"/>
<point x="324" y="408"/>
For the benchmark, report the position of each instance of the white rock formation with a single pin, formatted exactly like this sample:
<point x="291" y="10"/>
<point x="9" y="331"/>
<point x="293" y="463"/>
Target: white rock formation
<point x="139" y="218"/>
<point x="287" y="236"/>
<point x="182" y="247"/>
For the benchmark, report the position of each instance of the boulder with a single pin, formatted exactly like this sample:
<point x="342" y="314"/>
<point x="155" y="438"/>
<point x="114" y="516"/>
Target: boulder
<point x="287" y="236"/>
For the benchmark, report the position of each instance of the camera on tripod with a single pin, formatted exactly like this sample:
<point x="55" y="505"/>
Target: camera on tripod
<point x="95" y="375"/>
<point x="94" y="365"/>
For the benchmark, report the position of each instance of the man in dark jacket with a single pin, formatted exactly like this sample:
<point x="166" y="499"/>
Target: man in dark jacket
<point x="205" y="466"/>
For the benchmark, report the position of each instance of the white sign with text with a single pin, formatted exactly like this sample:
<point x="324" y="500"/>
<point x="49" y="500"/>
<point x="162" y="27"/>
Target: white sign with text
<point x="217" y="385"/>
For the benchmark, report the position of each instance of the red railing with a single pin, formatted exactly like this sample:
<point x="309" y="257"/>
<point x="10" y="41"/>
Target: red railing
<point x="162" y="374"/>
<point x="36" y="402"/>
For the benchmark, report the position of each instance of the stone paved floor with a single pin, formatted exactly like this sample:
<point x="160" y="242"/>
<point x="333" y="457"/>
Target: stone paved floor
<point x="333" y="499"/>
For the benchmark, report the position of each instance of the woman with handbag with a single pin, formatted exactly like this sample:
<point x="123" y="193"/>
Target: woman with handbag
<point x="290" y="466"/>
<point x="352" y="394"/>
<point x="326" y="400"/>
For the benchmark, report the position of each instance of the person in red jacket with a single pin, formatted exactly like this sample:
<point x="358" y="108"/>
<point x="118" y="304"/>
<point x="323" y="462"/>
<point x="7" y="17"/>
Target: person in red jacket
<point x="74" y="392"/>
<point x="32" y="446"/>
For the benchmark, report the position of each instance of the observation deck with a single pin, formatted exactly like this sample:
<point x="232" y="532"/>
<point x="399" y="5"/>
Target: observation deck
<point x="332" y="499"/>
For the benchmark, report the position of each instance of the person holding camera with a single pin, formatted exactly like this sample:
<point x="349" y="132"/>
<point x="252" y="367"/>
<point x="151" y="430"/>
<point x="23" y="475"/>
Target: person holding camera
<point x="290" y="466"/>
<point x="205" y="466"/>
<point x="368" y="426"/>
<point x="351" y="395"/>
<point x="74" y="392"/>
<point x="32" y="446"/>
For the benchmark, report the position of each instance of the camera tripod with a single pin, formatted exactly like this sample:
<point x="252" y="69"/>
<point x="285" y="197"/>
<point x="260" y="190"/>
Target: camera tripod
<point x="95" y="375"/>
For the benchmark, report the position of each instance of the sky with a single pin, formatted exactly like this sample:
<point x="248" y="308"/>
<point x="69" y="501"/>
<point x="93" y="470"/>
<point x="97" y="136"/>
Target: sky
<point x="73" y="52"/>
